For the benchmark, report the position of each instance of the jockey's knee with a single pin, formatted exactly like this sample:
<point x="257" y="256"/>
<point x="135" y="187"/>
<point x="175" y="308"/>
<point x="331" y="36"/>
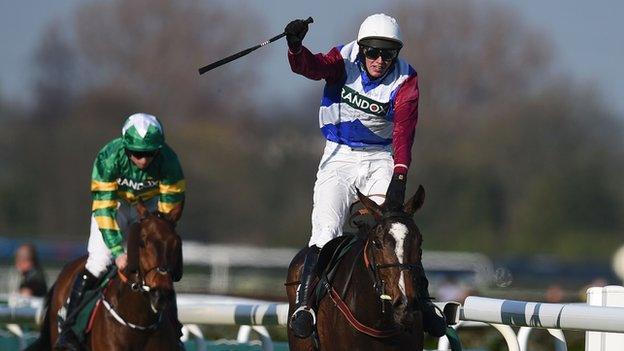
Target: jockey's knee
<point x="97" y="265"/>
<point x="322" y="236"/>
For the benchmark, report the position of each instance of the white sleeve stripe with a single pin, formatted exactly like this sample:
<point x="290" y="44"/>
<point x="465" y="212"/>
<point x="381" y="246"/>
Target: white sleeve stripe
<point x="401" y="165"/>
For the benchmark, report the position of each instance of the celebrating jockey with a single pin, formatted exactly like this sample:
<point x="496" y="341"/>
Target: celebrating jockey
<point x="139" y="165"/>
<point x="368" y="115"/>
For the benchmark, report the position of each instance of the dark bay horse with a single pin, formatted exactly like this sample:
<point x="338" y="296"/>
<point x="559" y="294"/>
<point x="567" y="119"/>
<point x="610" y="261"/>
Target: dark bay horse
<point x="136" y="312"/>
<point x="374" y="303"/>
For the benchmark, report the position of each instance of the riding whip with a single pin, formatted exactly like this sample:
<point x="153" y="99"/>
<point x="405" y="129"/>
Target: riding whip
<point x="221" y="62"/>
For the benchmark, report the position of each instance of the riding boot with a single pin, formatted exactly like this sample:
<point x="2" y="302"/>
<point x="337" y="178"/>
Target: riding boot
<point x="67" y="340"/>
<point x="434" y="322"/>
<point x="303" y="319"/>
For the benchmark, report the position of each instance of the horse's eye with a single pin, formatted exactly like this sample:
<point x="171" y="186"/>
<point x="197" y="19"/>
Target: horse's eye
<point x="141" y="243"/>
<point x="377" y="244"/>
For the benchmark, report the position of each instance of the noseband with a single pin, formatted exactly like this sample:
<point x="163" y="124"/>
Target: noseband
<point x="142" y="286"/>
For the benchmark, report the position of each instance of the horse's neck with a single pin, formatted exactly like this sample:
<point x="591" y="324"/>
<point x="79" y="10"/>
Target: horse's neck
<point x="360" y="291"/>
<point x="132" y="306"/>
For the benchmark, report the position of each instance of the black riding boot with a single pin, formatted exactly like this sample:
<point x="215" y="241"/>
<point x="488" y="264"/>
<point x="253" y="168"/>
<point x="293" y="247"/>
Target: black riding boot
<point x="303" y="319"/>
<point x="67" y="340"/>
<point x="434" y="322"/>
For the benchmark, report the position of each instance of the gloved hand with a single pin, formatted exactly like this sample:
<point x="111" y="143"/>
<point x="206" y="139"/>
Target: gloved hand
<point x="295" y="32"/>
<point x="122" y="262"/>
<point x="395" y="196"/>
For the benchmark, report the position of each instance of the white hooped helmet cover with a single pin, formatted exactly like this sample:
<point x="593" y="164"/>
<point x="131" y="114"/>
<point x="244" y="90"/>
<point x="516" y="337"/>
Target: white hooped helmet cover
<point x="380" y="31"/>
<point x="142" y="132"/>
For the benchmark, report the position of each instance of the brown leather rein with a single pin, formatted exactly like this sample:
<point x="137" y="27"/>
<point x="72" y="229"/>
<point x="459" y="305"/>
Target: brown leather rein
<point x="346" y="312"/>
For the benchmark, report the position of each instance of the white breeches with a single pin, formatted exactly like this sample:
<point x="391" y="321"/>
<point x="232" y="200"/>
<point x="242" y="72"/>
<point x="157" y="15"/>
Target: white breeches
<point x="340" y="172"/>
<point x="100" y="256"/>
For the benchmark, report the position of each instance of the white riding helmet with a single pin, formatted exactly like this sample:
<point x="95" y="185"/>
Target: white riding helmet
<point x="380" y="31"/>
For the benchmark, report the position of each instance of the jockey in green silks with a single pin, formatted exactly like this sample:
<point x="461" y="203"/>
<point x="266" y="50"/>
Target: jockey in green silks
<point x="139" y="165"/>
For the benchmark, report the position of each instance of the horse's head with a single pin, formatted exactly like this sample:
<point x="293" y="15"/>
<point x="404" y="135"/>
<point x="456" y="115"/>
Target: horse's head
<point x="393" y="253"/>
<point x="155" y="254"/>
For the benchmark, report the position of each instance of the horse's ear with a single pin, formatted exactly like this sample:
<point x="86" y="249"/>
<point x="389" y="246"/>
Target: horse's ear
<point x="370" y="205"/>
<point x="416" y="202"/>
<point x="176" y="213"/>
<point x="141" y="209"/>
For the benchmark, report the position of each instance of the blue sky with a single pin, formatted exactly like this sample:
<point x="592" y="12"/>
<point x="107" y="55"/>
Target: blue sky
<point x="587" y="36"/>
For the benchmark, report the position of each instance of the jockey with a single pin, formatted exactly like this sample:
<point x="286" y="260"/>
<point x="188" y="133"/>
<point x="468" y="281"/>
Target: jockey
<point x="368" y="115"/>
<point x="139" y="165"/>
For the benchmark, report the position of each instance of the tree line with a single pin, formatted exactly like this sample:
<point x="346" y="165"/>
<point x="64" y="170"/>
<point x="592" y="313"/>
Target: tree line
<point x="516" y="157"/>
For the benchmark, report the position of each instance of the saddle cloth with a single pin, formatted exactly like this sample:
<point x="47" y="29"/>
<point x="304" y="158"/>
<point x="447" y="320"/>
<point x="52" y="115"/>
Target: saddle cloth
<point x="87" y="309"/>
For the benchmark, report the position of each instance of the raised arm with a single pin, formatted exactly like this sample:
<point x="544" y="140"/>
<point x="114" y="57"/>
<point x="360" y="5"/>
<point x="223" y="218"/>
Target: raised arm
<point x="329" y="66"/>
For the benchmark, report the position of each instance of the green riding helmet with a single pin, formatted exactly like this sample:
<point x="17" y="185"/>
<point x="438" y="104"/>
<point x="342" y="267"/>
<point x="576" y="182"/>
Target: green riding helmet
<point x="142" y="132"/>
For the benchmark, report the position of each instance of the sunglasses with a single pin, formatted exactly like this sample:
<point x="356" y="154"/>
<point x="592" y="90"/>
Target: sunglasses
<point x="142" y="154"/>
<point x="386" y="54"/>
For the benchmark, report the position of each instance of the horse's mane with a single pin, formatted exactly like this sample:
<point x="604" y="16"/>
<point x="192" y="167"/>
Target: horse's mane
<point x="360" y="218"/>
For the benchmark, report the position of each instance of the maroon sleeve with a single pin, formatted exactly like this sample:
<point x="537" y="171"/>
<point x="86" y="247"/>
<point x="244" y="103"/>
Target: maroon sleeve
<point x="405" y="118"/>
<point x="329" y="66"/>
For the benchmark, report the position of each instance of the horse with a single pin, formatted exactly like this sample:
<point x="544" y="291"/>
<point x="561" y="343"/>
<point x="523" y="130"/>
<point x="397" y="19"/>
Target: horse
<point x="135" y="312"/>
<point x="371" y="302"/>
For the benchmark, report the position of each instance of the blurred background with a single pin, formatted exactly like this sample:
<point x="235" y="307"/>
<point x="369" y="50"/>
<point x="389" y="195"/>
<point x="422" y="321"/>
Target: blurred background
<point x="519" y="143"/>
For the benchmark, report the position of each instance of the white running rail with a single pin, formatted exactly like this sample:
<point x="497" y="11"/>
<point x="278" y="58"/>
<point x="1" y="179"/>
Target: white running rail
<point x="252" y="315"/>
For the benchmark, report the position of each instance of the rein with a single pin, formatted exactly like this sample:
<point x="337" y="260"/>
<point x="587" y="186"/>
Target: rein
<point x="124" y="280"/>
<point x="359" y="326"/>
<point x="378" y="284"/>
<point x="123" y="322"/>
<point x="346" y="312"/>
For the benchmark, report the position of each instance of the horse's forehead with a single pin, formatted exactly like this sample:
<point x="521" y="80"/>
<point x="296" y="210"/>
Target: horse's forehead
<point x="398" y="229"/>
<point x="398" y="224"/>
<point x="158" y="229"/>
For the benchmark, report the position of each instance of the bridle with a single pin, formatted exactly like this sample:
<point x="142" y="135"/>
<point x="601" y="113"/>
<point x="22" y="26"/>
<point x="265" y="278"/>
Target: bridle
<point x="378" y="283"/>
<point x="373" y="268"/>
<point x="138" y="285"/>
